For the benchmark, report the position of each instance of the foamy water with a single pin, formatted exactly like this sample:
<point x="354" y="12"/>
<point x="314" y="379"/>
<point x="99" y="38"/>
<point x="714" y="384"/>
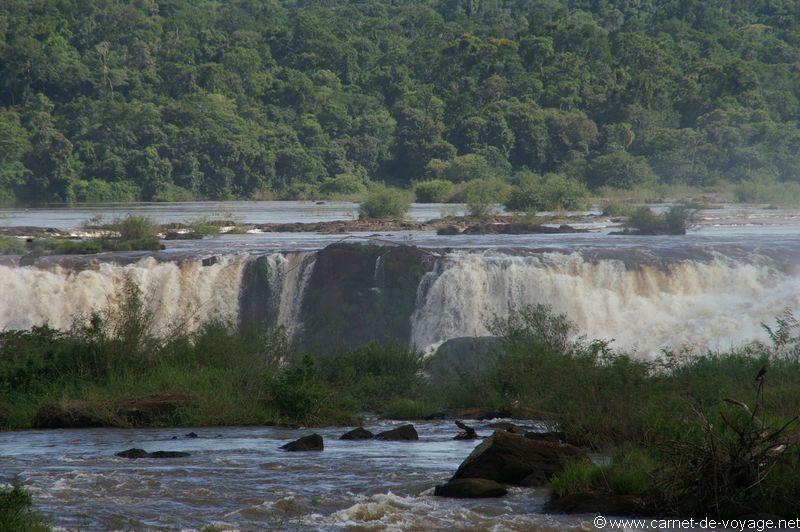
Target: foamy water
<point x="238" y="479"/>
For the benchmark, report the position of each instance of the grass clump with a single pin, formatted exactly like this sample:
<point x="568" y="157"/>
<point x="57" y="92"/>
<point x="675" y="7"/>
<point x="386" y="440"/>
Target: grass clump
<point x="16" y="512"/>
<point x="384" y="202"/>
<point x="10" y="245"/>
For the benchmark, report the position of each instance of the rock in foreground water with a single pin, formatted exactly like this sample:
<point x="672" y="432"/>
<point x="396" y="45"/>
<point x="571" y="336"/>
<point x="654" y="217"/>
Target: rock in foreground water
<point x="134" y="454"/>
<point x="470" y="488"/>
<point x="359" y="433"/>
<point x="312" y="442"/>
<point x="401" y="433"/>
<point x="514" y="459"/>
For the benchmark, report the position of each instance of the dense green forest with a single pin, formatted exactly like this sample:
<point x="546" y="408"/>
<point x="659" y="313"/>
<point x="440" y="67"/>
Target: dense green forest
<point x="178" y="99"/>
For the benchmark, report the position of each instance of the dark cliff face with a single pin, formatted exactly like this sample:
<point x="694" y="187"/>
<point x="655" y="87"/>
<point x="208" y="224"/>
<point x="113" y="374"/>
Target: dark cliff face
<point x="358" y="293"/>
<point x="257" y="303"/>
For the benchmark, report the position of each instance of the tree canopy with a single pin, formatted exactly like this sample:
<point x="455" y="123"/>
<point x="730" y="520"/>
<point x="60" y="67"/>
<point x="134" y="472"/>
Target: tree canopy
<point x="176" y="99"/>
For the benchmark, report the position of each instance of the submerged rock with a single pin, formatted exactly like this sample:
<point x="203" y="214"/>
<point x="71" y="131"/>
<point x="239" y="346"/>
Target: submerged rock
<point x="134" y="454"/>
<point x="312" y="442"/>
<point x="448" y="230"/>
<point x="401" y="433"/>
<point x="210" y="261"/>
<point x="470" y="488"/>
<point x="514" y="459"/>
<point x="191" y="435"/>
<point x="359" y="433"/>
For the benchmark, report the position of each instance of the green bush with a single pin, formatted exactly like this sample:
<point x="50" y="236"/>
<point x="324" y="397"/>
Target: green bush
<point x="550" y="192"/>
<point x="433" y="191"/>
<point x="135" y="227"/>
<point x="11" y="246"/>
<point x="767" y="190"/>
<point x="619" y="170"/>
<point x="299" y="190"/>
<point x="675" y="221"/>
<point x="408" y="409"/>
<point x="384" y="202"/>
<point x="97" y="191"/>
<point x="483" y="195"/>
<point x="16" y="514"/>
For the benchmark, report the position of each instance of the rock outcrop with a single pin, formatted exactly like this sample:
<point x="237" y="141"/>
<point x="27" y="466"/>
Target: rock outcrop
<point x="514" y="459"/>
<point x="135" y="454"/>
<point x="401" y="433"/>
<point x="312" y="442"/>
<point x="359" y="433"/>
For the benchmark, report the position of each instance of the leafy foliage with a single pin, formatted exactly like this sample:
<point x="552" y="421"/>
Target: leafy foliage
<point x="384" y="202"/>
<point x="107" y="101"/>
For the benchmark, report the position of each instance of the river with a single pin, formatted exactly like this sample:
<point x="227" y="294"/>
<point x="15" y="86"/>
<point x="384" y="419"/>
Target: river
<point x="237" y="478"/>
<point x="710" y="289"/>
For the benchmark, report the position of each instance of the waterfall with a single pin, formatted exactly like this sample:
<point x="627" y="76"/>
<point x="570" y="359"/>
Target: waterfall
<point x="706" y="304"/>
<point x="182" y="293"/>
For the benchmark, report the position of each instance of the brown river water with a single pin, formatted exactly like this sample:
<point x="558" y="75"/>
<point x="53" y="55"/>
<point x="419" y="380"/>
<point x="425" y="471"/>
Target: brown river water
<point x="237" y="478"/>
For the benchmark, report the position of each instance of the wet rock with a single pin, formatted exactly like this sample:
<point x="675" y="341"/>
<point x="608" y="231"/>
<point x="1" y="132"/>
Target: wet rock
<point x="448" y="230"/>
<point x="467" y="432"/>
<point x="401" y="433"/>
<point x="470" y="488"/>
<point x="160" y="408"/>
<point x="359" y="433"/>
<point x="167" y="454"/>
<point x="514" y="459"/>
<point x="597" y="503"/>
<point x="191" y="435"/>
<point x="312" y="442"/>
<point x="553" y="436"/>
<point x="508" y="427"/>
<point x="133" y="454"/>
<point x="72" y="415"/>
<point x="210" y="261"/>
<point x="361" y="293"/>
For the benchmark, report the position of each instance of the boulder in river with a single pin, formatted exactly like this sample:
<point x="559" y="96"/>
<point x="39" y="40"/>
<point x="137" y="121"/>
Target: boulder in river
<point x="552" y="436"/>
<point x="514" y="459"/>
<point x="508" y="427"/>
<point x="401" y="433"/>
<point x="312" y="442"/>
<point x="359" y="433"/>
<point x="134" y="454"/>
<point x="470" y="488"/>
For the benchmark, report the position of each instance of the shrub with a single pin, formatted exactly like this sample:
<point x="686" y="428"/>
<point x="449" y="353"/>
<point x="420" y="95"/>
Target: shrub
<point x="617" y="208"/>
<point x="97" y="191"/>
<point x="550" y="192"/>
<point x="767" y="190"/>
<point x="675" y="221"/>
<point x="299" y="190"/>
<point x="11" y="246"/>
<point x="482" y="195"/>
<point x="384" y="202"/>
<point x="136" y="228"/>
<point x="16" y="513"/>
<point x="407" y="409"/>
<point x="203" y="226"/>
<point x="433" y="191"/>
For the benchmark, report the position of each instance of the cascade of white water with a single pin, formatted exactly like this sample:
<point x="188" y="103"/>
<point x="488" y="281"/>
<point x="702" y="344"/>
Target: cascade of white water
<point x="714" y="304"/>
<point x="179" y="293"/>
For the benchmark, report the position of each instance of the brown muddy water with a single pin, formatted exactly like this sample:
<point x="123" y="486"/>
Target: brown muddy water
<point x="237" y="479"/>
